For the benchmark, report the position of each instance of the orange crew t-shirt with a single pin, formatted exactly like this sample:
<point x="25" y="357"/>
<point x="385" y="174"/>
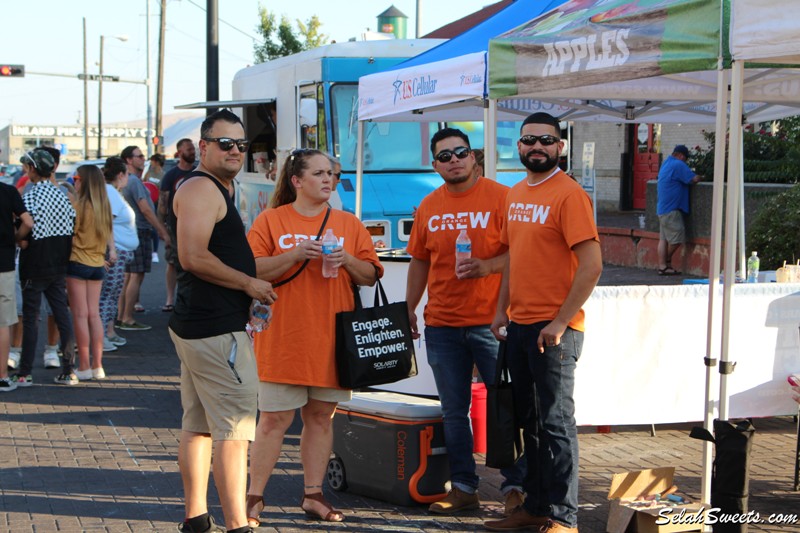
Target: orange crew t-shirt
<point x="298" y="347"/>
<point x="541" y="225"/>
<point x="437" y="223"/>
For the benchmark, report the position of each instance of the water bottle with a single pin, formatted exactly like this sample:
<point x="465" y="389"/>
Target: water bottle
<point x="329" y="244"/>
<point x="752" y="268"/>
<point x="463" y="247"/>
<point x="260" y="315"/>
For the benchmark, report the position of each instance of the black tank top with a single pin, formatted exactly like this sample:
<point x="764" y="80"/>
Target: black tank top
<point x="203" y="309"/>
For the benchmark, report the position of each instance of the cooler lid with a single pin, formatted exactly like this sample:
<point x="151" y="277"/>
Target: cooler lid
<point x="393" y="405"/>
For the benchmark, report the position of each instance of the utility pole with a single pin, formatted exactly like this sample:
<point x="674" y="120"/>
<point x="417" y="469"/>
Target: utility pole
<point x="100" y="104"/>
<point x="160" y="87"/>
<point x="148" y="88"/>
<point x="212" y="53"/>
<point x="419" y="19"/>
<point x="85" y="99"/>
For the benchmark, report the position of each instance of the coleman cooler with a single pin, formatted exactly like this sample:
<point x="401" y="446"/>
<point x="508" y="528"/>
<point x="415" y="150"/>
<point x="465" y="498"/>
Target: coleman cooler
<point x="390" y="447"/>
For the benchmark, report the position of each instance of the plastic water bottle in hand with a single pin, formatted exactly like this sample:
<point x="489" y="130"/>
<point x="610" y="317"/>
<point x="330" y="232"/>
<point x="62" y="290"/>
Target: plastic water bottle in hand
<point x="752" y="268"/>
<point x="463" y="248"/>
<point x="329" y="244"/>
<point x="260" y="315"/>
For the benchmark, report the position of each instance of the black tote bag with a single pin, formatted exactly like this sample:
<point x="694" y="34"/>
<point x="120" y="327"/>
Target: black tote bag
<point x="374" y="344"/>
<point x="503" y="435"/>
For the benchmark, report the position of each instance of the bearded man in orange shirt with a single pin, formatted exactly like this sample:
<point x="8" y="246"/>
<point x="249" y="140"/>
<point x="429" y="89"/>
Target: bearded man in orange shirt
<point x="461" y="303"/>
<point x="554" y="264"/>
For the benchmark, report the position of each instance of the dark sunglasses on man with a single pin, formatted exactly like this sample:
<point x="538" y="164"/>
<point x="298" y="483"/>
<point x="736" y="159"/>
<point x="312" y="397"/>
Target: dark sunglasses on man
<point x="546" y="140"/>
<point x="226" y="144"/>
<point x="446" y="155"/>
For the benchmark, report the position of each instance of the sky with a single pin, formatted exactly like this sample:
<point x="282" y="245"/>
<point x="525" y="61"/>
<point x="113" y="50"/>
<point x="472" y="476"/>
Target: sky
<point x="47" y="37"/>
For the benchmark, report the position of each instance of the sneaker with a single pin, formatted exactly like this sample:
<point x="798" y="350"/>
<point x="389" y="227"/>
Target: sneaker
<point x="519" y="519"/>
<point x="98" y="373"/>
<point x="13" y="358"/>
<point x="133" y="326"/>
<point x="212" y="528"/>
<point x="51" y="357"/>
<point x="455" y="501"/>
<point x="66" y="379"/>
<point x="155" y="257"/>
<point x="22" y="380"/>
<point x="116" y="340"/>
<point x="6" y="385"/>
<point x="514" y="499"/>
<point x="84" y="375"/>
<point x="108" y="346"/>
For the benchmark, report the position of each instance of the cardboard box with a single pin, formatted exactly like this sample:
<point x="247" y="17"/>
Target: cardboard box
<point x="625" y="516"/>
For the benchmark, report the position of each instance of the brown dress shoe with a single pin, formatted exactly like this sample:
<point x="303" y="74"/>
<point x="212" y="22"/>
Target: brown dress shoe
<point x="514" y="499"/>
<point x="519" y="519"/>
<point x="455" y="501"/>
<point x="554" y="527"/>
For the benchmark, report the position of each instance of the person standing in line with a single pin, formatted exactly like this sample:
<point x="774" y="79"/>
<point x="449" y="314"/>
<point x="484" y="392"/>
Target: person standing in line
<point x="462" y="297"/>
<point x="86" y="270"/>
<point x="152" y="181"/>
<point x="216" y="285"/>
<point x="674" y="179"/>
<point x="554" y="264"/>
<point x="170" y="181"/>
<point x="297" y="369"/>
<point x="43" y="261"/>
<point x="12" y="211"/>
<point x="136" y="194"/>
<point x="126" y="241"/>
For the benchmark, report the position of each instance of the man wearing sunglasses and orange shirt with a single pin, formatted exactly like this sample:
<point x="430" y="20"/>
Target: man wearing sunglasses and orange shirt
<point x="554" y="264"/>
<point x="461" y="303"/>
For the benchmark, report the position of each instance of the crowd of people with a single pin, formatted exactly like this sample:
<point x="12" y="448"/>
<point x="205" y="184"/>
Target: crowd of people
<point x="83" y="244"/>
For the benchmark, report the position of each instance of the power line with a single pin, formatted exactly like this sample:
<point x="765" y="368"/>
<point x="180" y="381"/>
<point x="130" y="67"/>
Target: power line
<point x="256" y="39"/>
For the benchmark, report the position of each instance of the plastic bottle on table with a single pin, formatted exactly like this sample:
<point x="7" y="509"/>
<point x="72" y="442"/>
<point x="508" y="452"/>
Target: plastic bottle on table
<point x="260" y="315"/>
<point x="329" y="244"/>
<point x="752" y="268"/>
<point x="463" y="247"/>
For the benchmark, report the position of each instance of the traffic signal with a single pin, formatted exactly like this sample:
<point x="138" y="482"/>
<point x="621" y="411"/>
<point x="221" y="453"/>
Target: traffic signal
<point x="158" y="140"/>
<point x="12" y="71"/>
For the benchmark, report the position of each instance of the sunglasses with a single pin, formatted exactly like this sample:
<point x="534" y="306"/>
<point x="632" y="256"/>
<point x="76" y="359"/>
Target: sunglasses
<point x="29" y="160"/>
<point x="546" y="140"/>
<point x="226" y="144"/>
<point x="446" y="155"/>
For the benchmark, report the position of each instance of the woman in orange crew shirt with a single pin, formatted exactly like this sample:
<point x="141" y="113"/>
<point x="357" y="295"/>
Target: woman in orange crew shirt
<point x="295" y="356"/>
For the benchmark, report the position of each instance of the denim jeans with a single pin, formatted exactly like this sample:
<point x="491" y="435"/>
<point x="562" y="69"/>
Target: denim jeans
<point x="452" y="352"/>
<point x="55" y="290"/>
<point x="543" y="385"/>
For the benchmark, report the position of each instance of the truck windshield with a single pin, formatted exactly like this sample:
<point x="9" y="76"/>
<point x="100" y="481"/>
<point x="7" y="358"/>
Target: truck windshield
<point x="388" y="146"/>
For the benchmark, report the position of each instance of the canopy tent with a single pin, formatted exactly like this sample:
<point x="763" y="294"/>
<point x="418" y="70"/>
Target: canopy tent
<point x="651" y="53"/>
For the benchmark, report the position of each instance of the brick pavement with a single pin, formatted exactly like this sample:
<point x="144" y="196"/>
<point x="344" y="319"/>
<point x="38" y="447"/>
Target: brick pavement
<point x="102" y="456"/>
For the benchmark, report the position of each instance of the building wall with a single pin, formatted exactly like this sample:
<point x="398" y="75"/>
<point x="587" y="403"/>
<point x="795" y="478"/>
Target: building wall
<point x="609" y="139"/>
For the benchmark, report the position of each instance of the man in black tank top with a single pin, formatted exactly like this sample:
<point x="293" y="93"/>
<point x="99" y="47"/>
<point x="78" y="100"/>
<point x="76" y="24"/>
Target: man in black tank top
<point x="216" y="284"/>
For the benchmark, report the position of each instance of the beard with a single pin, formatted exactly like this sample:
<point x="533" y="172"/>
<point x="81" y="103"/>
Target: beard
<point x="536" y="165"/>
<point x="458" y="179"/>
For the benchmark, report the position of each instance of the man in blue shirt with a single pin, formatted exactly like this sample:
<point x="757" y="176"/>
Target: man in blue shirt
<point x="674" y="179"/>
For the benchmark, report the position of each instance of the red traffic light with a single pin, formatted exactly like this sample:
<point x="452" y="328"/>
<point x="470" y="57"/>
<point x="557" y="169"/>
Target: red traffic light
<point x="12" y="71"/>
<point x="158" y="140"/>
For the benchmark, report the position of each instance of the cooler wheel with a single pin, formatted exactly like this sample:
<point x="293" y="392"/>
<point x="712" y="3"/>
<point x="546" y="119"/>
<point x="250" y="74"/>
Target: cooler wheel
<point x="335" y="475"/>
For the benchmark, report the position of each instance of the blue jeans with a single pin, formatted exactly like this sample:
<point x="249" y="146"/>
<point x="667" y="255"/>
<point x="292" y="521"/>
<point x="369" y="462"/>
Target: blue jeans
<point x="452" y="352"/>
<point x="55" y="290"/>
<point x="543" y="386"/>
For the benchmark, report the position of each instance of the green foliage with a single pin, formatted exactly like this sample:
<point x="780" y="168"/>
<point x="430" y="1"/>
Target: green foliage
<point x="282" y="40"/>
<point x="767" y="158"/>
<point x="775" y="233"/>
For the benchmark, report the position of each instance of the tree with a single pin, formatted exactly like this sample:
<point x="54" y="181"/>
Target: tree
<point x="282" y="40"/>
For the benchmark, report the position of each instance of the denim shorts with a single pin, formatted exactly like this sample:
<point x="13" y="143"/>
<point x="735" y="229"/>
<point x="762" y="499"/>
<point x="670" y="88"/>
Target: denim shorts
<point x="85" y="272"/>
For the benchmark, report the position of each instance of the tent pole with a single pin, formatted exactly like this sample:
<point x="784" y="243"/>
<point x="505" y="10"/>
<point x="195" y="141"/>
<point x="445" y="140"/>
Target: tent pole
<point x="712" y="338"/>
<point x="359" y="168"/>
<point x="734" y="176"/>
<point x="742" y="244"/>
<point x="490" y="139"/>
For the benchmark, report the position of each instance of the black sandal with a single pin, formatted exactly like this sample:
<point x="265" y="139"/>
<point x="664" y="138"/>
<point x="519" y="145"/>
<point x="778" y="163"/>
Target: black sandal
<point x="668" y="271"/>
<point x="332" y="514"/>
<point x="254" y="506"/>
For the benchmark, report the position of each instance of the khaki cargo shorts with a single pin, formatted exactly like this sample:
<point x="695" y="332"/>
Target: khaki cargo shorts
<point x="276" y="397"/>
<point x="216" y="398"/>
<point x="672" y="227"/>
<point x="8" y="299"/>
